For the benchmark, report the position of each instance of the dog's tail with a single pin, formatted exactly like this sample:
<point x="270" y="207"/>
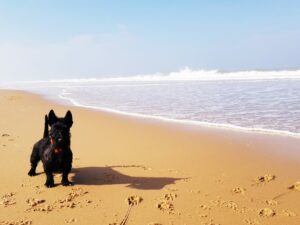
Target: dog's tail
<point x="46" y="131"/>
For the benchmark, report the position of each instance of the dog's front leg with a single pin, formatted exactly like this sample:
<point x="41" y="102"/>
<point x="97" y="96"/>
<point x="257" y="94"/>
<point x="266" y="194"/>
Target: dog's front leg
<point x="65" y="181"/>
<point x="34" y="159"/>
<point x="49" y="180"/>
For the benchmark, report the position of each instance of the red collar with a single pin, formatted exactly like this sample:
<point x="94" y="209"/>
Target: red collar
<point x="56" y="150"/>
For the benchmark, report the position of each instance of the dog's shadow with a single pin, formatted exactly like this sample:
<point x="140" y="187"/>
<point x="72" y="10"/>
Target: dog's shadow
<point x="109" y="176"/>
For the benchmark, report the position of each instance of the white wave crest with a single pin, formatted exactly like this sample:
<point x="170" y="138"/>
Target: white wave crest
<point x="187" y="74"/>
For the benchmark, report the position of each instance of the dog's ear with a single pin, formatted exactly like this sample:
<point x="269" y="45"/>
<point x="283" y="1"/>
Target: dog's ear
<point x="68" y="118"/>
<point x="52" y="118"/>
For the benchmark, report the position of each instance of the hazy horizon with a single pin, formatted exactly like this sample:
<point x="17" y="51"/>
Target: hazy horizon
<point x="95" y="39"/>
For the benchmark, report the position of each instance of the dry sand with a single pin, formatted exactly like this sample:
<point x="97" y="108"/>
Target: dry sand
<point x="140" y="171"/>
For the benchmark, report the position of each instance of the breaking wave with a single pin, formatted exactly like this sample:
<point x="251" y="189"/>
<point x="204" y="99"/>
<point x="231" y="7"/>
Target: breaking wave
<point x="201" y="75"/>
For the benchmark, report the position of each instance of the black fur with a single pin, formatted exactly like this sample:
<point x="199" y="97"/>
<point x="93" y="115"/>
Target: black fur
<point x="54" y="149"/>
<point x="46" y="130"/>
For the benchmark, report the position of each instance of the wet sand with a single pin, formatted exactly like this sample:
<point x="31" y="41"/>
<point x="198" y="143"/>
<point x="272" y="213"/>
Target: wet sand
<point x="130" y="170"/>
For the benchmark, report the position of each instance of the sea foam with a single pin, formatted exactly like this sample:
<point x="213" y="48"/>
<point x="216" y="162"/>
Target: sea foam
<point x="257" y="101"/>
<point x="187" y="74"/>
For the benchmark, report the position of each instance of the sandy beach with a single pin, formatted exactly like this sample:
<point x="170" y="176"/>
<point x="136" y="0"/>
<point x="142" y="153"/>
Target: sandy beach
<point x="155" y="172"/>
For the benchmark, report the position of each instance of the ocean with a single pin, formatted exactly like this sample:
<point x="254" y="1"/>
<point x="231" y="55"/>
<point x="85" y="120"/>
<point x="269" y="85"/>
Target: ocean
<point x="255" y="101"/>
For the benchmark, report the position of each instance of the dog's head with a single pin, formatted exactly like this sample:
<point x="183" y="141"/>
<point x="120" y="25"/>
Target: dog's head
<point x="60" y="129"/>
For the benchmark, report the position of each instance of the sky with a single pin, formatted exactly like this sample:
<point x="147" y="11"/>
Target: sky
<point x="54" y="39"/>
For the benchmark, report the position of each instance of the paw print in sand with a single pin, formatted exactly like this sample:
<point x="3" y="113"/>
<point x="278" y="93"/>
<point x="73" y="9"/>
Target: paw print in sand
<point x="295" y="186"/>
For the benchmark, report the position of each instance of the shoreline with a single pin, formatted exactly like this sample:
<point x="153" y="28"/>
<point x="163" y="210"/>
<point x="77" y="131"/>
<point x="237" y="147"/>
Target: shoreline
<point x="184" y="174"/>
<point x="226" y="127"/>
<point x="220" y="132"/>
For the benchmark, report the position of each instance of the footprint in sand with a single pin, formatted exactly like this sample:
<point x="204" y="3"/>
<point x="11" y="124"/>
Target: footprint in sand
<point x="20" y="222"/>
<point x="38" y="190"/>
<point x="134" y="200"/>
<point x="272" y="202"/>
<point x="203" y="215"/>
<point x="264" y="179"/>
<point x="267" y="212"/>
<point x="295" y="186"/>
<point x="238" y="190"/>
<point x="170" y="196"/>
<point x="131" y="201"/>
<point x="165" y="206"/>
<point x="35" y="205"/>
<point x="288" y="213"/>
<point x="8" y="199"/>
<point x="72" y="220"/>
<point x="224" y="204"/>
<point x="205" y="207"/>
<point x="68" y="201"/>
<point x="32" y="202"/>
<point x="154" y="223"/>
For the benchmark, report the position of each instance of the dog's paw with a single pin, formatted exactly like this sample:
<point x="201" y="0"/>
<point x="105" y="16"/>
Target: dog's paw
<point x="66" y="183"/>
<point x="49" y="184"/>
<point x="31" y="173"/>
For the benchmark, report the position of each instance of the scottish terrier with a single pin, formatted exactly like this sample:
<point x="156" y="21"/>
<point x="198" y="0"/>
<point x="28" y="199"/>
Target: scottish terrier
<point x="54" y="149"/>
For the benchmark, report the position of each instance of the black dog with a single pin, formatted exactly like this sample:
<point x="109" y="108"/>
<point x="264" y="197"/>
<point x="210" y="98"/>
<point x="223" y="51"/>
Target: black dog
<point x="54" y="149"/>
